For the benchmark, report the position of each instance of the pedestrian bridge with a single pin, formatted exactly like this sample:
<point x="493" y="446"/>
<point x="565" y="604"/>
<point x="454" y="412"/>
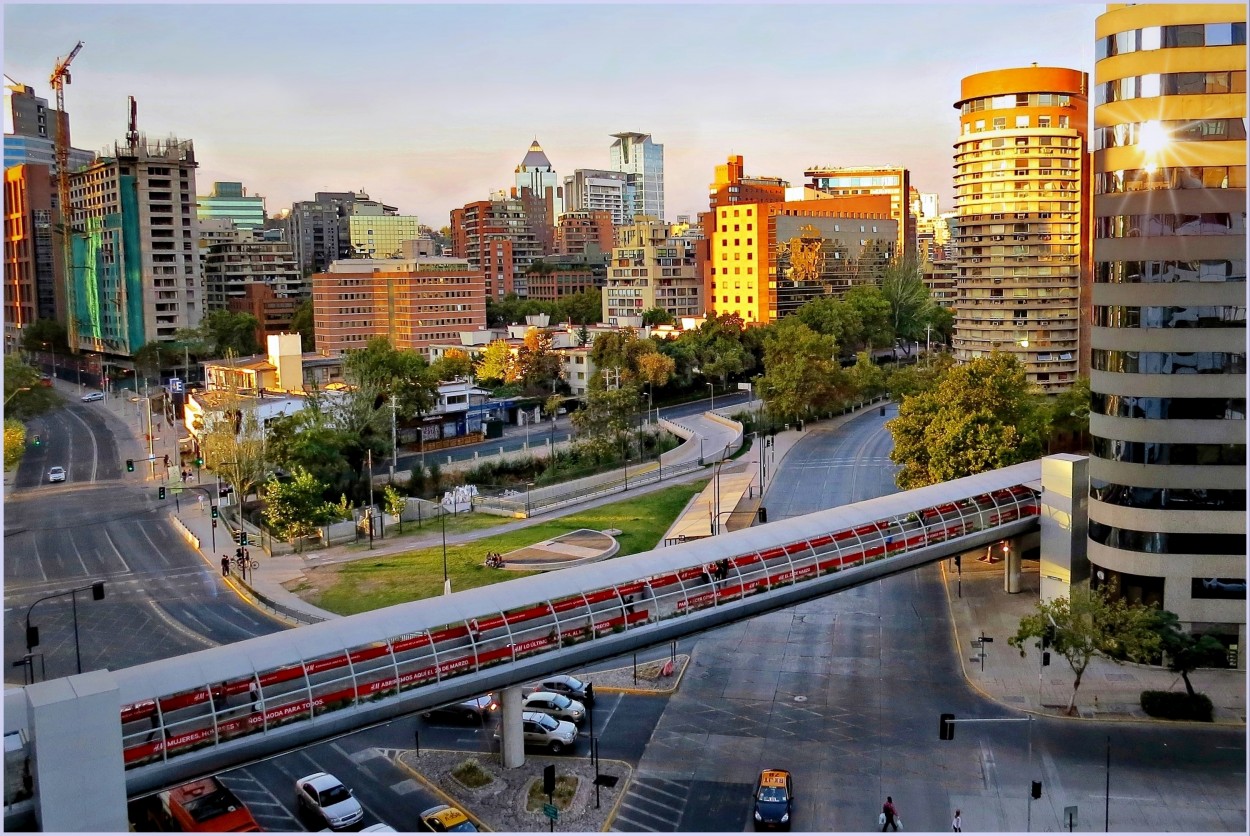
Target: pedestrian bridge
<point x="194" y="714"/>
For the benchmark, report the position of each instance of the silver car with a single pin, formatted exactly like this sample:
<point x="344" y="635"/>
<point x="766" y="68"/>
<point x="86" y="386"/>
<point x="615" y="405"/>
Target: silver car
<point x="539" y="729"/>
<point x="557" y="705"/>
<point x="56" y="474"/>
<point x="325" y="796"/>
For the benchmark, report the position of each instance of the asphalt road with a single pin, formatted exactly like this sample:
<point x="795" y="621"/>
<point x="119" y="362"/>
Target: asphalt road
<point x="514" y="437"/>
<point x="104" y="524"/>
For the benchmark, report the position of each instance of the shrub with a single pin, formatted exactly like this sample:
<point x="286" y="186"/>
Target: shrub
<point x="470" y="773"/>
<point x="1177" y="705"/>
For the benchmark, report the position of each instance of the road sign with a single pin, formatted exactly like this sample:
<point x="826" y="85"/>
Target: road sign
<point x="1069" y="817"/>
<point x="175" y="385"/>
<point x="550" y="811"/>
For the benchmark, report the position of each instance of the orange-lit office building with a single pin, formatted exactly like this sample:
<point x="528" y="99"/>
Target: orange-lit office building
<point x="730" y="186"/>
<point x="32" y="263"/>
<point x="890" y="180"/>
<point x="765" y="260"/>
<point x="1167" y="465"/>
<point x="414" y="303"/>
<point x="1022" y="204"/>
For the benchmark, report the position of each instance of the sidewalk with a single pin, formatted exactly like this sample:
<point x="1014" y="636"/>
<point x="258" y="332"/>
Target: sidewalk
<point x="1108" y="691"/>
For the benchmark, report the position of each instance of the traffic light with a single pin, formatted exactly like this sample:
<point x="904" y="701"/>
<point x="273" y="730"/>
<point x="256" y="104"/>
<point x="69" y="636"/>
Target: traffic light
<point x="199" y="461"/>
<point x="130" y="465"/>
<point x="242" y="537"/>
<point x="1048" y="636"/>
<point x="946" y="727"/>
<point x="215" y="514"/>
<point x="38" y="441"/>
<point x="160" y="492"/>
<point x="1037" y="789"/>
<point x="1045" y="658"/>
<point x="958" y="560"/>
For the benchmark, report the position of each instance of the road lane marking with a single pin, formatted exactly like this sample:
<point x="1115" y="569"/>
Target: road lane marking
<point x="78" y="555"/>
<point x="117" y="551"/>
<point x="179" y="627"/>
<point x="95" y="452"/>
<point x="34" y="543"/>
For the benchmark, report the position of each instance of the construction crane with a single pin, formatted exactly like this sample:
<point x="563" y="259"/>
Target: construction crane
<point x="60" y="77"/>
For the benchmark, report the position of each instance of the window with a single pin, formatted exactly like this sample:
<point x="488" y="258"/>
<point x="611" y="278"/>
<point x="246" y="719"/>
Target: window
<point x="1000" y="123"/>
<point x="1063" y="121"/>
<point x="1022" y="121"/>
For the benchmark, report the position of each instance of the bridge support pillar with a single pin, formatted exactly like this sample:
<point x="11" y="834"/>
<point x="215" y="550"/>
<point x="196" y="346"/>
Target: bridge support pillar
<point x="511" y="741"/>
<point x="79" y="775"/>
<point x="1064" y="524"/>
<point x="1011" y="566"/>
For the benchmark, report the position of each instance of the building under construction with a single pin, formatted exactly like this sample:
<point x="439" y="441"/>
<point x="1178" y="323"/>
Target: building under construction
<point x="135" y="263"/>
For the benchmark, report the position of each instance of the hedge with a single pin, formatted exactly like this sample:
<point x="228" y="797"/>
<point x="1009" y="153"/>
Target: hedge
<point x="1177" y="705"/>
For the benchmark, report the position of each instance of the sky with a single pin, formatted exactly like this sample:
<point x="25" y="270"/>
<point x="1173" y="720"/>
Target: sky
<point x="429" y="107"/>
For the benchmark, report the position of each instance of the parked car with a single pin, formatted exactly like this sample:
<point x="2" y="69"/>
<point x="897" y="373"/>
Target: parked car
<point x="56" y="474"/>
<point x="92" y="396"/>
<point x="569" y="686"/>
<point x="379" y="828"/>
<point x="325" y="796"/>
<point x="445" y="819"/>
<point x="476" y="710"/>
<point x="774" y="799"/>
<point x="557" y="705"/>
<point x="539" y="729"/>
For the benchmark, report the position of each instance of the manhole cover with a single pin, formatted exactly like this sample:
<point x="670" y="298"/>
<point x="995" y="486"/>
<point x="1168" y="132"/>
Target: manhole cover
<point x="800" y="699"/>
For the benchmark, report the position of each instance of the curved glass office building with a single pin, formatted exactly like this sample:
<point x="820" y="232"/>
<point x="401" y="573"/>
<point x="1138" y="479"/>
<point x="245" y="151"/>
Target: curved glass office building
<point x="1167" y="509"/>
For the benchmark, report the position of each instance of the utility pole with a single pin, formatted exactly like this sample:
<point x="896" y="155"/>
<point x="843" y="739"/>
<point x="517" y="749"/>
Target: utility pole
<point x="394" y="445"/>
<point x="369" y="474"/>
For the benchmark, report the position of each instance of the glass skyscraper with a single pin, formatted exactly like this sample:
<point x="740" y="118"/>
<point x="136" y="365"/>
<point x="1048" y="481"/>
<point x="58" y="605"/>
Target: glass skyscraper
<point x="643" y="160"/>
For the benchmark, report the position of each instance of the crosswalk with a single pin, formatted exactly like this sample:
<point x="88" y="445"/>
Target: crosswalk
<point x="651" y="804"/>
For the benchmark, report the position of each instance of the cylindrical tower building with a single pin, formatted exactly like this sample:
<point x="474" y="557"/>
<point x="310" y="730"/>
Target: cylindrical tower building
<point x="1021" y="197"/>
<point x="1167" y="509"/>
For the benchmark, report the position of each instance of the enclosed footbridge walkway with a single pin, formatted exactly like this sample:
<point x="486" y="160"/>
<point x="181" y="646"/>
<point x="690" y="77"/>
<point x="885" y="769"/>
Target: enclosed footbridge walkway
<point x="193" y="714"/>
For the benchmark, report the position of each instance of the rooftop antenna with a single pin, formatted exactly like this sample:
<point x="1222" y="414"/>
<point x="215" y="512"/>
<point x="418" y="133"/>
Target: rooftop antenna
<point x="132" y="127"/>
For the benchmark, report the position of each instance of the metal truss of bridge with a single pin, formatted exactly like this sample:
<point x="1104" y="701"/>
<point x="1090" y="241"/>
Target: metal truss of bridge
<point x="189" y="715"/>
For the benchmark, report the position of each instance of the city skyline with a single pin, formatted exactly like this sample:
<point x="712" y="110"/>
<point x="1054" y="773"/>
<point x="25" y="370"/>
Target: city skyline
<point x="239" y="82"/>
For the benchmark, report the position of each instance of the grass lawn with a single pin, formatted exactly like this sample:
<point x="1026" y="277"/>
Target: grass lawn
<point x="456" y="524"/>
<point x="366" y="584"/>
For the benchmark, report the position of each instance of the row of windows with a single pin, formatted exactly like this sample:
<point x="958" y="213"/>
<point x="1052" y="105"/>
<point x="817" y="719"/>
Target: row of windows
<point x="1170" y="84"/>
<point x="1198" y="316"/>
<point x="1167" y="272"/>
<point x="1170" y="37"/>
<point x="1157" y="452"/>
<point x="1013" y="100"/>
<point x="1175" y="177"/>
<point x="1001" y="144"/>
<point x="1174" y="130"/>
<point x="1176" y="409"/>
<point x="1168" y="362"/>
<point x="1167" y="499"/>
<point x="1147" y="226"/>
<point x="999" y="123"/>
<point x="1159" y="542"/>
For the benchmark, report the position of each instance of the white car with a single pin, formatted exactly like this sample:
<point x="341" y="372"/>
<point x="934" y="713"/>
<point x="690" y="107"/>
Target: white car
<point x="324" y="795"/>
<point x="92" y="396"/>
<point x="56" y="474"/>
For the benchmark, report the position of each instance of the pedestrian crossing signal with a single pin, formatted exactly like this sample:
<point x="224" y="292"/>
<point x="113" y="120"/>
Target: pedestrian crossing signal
<point x="130" y="465"/>
<point x="160" y="492"/>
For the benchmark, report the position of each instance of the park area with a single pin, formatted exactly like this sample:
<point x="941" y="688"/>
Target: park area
<point x="371" y="583"/>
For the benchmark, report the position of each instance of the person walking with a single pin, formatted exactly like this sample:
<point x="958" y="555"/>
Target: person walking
<point x="957" y="823"/>
<point x="225" y="565"/>
<point x="889" y="814"/>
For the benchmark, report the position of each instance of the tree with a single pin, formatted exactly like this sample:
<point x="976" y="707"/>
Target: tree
<point x="909" y="300"/>
<point x="302" y="322"/>
<point x="306" y="441"/>
<point x="45" y="335"/>
<point x="234" y="445"/>
<point x="537" y="364"/>
<point x="226" y="332"/>
<point x="622" y="351"/>
<point x="24" y="395"/>
<point x="583" y="308"/>
<point x="716" y="347"/>
<point x="295" y="508"/>
<point x="454" y="364"/>
<point x="14" y="443"/>
<point x="386" y="371"/>
<point x="914" y="379"/>
<point x="870" y="317"/>
<point x="1086" y="624"/>
<point x="607" y="414"/>
<point x="866" y="379"/>
<point x="657" y="316"/>
<point x="496" y="364"/>
<point x="394" y="504"/>
<point x="1068" y="417"/>
<point x="1186" y="652"/>
<point x="981" y="416"/>
<point x="801" y="373"/>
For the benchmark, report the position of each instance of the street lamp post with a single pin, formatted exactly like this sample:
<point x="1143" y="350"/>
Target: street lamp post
<point x="712" y="388"/>
<point x="151" y="451"/>
<point x="32" y="633"/>
<point x="528" y="485"/>
<point x="446" y="578"/>
<point x="15" y="391"/>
